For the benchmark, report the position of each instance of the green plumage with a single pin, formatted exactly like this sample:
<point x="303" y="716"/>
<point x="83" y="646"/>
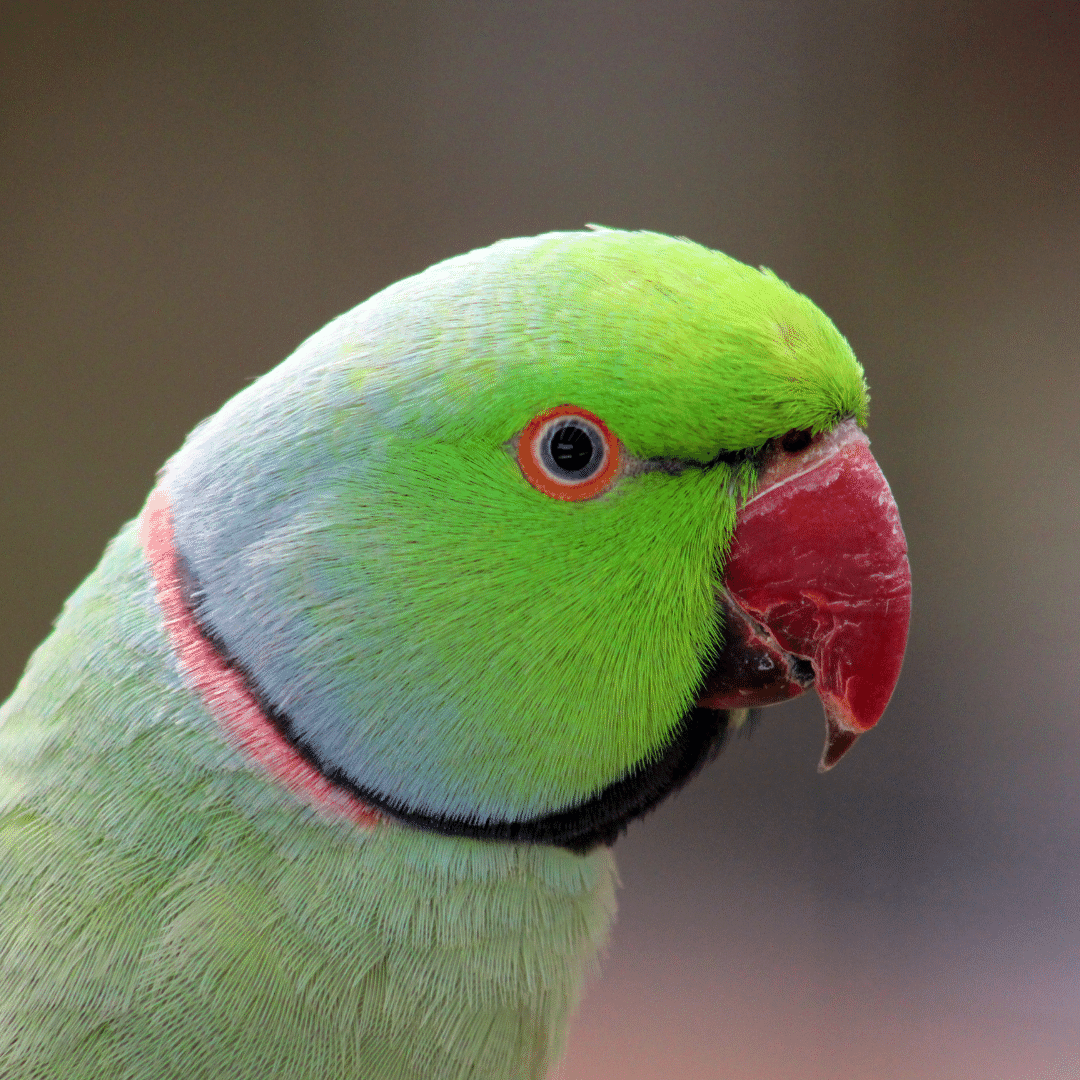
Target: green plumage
<point x="167" y="912"/>
<point x="170" y="911"/>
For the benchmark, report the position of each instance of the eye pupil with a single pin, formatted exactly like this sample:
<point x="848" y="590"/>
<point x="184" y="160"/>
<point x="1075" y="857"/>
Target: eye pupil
<point x="571" y="448"/>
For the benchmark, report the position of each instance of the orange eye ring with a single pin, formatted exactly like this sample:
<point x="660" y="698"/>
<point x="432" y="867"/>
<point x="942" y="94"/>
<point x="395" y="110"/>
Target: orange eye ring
<point x="569" y="453"/>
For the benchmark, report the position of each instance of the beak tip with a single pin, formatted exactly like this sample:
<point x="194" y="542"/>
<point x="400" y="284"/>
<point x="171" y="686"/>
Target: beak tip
<point x="839" y="736"/>
<point x="835" y="748"/>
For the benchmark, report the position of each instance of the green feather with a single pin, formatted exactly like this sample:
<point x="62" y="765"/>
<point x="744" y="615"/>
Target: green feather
<point x="168" y="912"/>
<point x="393" y="571"/>
<point x="168" y="909"/>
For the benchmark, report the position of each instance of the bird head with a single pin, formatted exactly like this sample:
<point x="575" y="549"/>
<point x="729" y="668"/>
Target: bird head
<point x="495" y="549"/>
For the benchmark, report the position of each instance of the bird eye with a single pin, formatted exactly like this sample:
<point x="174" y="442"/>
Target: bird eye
<point x="568" y="453"/>
<point x="796" y="440"/>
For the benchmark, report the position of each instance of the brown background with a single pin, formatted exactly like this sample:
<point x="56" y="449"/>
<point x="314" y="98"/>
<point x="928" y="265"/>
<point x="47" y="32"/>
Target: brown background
<point x="191" y="189"/>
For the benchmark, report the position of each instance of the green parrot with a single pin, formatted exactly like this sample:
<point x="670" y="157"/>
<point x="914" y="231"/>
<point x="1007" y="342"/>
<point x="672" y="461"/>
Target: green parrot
<point x="317" y="776"/>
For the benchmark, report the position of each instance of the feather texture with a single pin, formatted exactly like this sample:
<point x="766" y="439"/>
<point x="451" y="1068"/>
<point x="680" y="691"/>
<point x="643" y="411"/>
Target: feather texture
<point x="167" y="909"/>
<point x="364" y="553"/>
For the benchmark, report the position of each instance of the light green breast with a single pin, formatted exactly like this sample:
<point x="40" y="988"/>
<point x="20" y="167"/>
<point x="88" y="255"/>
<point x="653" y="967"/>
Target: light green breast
<point x="167" y="912"/>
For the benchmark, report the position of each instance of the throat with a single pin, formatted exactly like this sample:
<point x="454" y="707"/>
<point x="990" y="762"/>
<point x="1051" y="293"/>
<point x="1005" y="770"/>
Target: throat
<point x="271" y="739"/>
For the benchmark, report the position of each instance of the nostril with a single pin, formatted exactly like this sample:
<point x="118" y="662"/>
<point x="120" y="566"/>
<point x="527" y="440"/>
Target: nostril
<point x="802" y="670"/>
<point x="797" y="440"/>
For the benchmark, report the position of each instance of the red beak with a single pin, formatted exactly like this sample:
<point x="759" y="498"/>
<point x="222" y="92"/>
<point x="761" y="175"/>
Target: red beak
<point x="817" y="589"/>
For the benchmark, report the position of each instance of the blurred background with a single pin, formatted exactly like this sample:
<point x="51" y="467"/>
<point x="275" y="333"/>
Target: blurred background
<point x="190" y="189"/>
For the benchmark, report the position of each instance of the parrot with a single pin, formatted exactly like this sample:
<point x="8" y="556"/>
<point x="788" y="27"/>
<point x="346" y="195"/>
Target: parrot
<point x="319" y="772"/>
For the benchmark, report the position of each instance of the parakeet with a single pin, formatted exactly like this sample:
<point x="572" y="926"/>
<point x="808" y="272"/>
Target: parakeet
<point x="317" y="776"/>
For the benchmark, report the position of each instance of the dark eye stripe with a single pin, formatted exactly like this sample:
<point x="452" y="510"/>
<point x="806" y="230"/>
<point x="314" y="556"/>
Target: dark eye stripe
<point x="738" y="457"/>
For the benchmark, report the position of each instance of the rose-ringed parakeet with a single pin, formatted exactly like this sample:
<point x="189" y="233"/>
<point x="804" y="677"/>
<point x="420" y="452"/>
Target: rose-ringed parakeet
<point x="318" y="774"/>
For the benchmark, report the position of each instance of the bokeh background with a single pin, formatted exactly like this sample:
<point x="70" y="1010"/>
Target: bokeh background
<point x="190" y="189"/>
